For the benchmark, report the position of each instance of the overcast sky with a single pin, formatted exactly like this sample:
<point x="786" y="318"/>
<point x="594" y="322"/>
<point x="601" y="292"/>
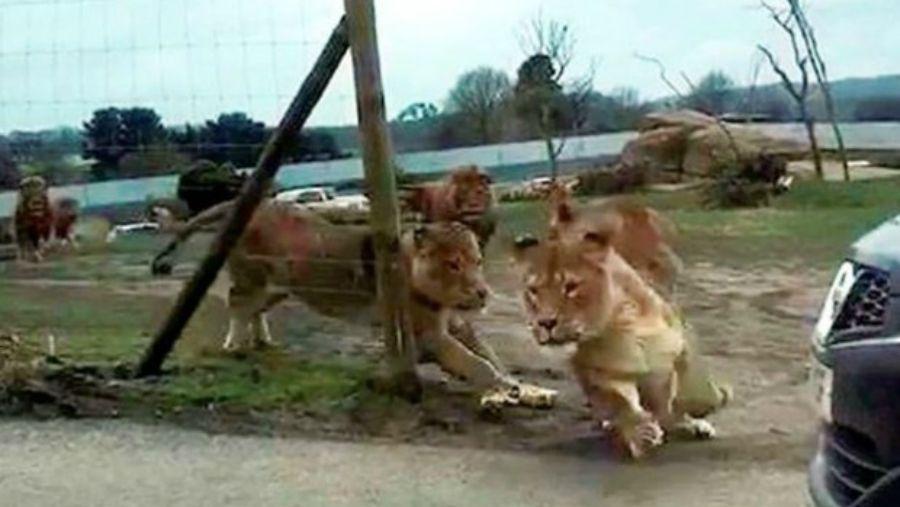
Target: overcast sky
<point x="191" y="59"/>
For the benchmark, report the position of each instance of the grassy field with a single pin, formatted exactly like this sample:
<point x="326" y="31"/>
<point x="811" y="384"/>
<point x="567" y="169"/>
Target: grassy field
<point x="813" y="225"/>
<point x="101" y="309"/>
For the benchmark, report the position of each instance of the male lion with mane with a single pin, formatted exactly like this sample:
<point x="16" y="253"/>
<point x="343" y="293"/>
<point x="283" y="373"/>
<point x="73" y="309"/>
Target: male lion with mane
<point x="464" y="196"/>
<point x="288" y="250"/>
<point x="37" y="219"/>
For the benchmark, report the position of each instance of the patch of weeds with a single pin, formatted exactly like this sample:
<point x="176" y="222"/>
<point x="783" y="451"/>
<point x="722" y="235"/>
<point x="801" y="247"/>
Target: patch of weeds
<point x="264" y="380"/>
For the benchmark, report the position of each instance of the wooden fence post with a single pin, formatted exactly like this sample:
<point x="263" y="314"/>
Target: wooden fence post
<point x="252" y="194"/>
<point x="377" y="155"/>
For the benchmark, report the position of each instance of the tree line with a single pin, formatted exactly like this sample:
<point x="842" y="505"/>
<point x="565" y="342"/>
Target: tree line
<point x="133" y="142"/>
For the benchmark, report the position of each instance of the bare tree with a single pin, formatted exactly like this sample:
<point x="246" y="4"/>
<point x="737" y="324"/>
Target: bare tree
<point x="821" y="73"/>
<point x="686" y="98"/>
<point x="799" y="92"/>
<point x="479" y="96"/>
<point x="541" y="97"/>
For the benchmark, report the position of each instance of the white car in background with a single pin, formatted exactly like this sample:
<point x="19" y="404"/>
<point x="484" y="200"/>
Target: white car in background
<point x="323" y="198"/>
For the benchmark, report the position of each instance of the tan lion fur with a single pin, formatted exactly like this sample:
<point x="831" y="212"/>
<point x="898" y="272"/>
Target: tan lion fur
<point x="632" y="358"/>
<point x="288" y="250"/>
<point x="38" y="220"/>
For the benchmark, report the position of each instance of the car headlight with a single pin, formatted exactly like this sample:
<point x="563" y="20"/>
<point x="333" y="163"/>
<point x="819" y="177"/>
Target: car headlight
<point x="856" y="305"/>
<point x="834" y="302"/>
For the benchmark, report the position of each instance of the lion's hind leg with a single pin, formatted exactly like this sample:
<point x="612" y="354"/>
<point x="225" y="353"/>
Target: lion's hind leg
<point x="658" y="392"/>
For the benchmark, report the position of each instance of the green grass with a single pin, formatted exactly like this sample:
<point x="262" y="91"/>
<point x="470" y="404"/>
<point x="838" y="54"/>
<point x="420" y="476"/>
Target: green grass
<point x="95" y="325"/>
<point x="812" y="225"/>
<point x="98" y="323"/>
<point x="266" y="380"/>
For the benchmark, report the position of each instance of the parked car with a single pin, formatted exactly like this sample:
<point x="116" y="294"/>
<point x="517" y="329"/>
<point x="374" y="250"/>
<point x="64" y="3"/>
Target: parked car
<point x="856" y="372"/>
<point x="324" y="198"/>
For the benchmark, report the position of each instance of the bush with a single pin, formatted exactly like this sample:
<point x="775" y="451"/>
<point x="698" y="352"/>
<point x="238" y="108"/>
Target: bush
<point x="750" y="184"/>
<point x="206" y="184"/>
<point x="611" y="181"/>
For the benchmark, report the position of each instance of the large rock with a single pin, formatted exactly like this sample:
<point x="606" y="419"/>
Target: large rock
<point x="696" y="144"/>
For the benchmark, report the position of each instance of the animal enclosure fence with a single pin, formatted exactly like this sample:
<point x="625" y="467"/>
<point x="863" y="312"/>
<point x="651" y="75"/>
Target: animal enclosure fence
<point x="131" y="60"/>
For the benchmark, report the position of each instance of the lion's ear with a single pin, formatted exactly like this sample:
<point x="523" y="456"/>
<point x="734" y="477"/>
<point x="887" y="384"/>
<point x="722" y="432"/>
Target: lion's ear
<point x="524" y="246"/>
<point x="597" y="246"/>
<point x="596" y="238"/>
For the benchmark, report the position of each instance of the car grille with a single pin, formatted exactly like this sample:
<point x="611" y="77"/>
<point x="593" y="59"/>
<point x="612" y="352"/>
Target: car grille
<point x="853" y="465"/>
<point x="867" y="304"/>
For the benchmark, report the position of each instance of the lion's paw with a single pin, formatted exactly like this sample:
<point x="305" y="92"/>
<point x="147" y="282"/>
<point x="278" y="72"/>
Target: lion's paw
<point x="536" y="397"/>
<point x="496" y="399"/>
<point x="693" y="429"/>
<point x="700" y="429"/>
<point x="643" y="437"/>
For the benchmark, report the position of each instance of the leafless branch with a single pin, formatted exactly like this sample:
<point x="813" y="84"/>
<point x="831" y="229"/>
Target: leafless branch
<point x="551" y="38"/>
<point x="662" y="73"/>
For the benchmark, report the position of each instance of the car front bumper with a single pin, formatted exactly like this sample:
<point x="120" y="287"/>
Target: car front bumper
<point x="818" y="488"/>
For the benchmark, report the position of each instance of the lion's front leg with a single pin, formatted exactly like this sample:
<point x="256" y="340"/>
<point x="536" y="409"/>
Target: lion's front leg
<point x="247" y="318"/>
<point x="504" y="389"/>
<point x="616" y="401"/>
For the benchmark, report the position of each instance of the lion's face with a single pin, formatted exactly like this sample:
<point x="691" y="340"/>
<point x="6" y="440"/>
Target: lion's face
<point x="568" y="290"/>
<point x="32" y="186"/>
<point x="445" y="265"/>
<point x="471" y="192"/>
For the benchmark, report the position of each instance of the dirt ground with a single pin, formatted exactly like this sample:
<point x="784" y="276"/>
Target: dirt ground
<point x="752" y="327"/>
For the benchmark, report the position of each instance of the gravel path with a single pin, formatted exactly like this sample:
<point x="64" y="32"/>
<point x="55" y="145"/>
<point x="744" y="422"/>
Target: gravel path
<point x="65" y="463"/>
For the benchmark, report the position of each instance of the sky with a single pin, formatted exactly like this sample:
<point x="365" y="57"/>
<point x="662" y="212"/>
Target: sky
<point x="192" y="59"/>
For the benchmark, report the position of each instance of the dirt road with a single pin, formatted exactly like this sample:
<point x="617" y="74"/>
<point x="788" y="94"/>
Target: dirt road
<point x="110" y="463"/>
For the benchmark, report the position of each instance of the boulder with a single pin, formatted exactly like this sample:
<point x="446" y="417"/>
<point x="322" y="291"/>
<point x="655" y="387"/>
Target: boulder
<point x="696" y="144"/>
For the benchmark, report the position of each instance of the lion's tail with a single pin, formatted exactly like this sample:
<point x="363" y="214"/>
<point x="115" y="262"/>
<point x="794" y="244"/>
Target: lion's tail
<point x="162" y="263"/>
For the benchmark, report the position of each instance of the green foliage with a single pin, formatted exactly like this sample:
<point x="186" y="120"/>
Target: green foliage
<point x="232" y="137"/>
<point x="112" y="133"/>
<point x="206" y="184"/>
<point x="714" y="94"/>
<point x="9" y="172"/>
<point x="268" y="379"/>
<point x="478" y="98"/>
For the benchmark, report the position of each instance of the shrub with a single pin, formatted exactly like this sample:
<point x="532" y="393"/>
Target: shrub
<point x="750" y="184"/>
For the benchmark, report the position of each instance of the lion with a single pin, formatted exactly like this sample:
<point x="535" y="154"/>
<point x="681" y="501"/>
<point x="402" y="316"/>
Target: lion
<point x="37" y="219"/>
<point x="631" y="358"/>
<point x="639" y="234"/>
<point x="288" y="250"/>
<point x="463" y="196"/>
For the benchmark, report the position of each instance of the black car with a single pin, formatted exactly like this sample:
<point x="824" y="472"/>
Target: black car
<point x="856" y="345"/>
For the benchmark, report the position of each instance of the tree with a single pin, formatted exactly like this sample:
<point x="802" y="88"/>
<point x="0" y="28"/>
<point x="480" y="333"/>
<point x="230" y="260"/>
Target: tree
<point x="713" y="95"/>
<point x="9" y="172"/>
<point x="232" y="137"/>
<point x="799" y="92"/>
<point x="814" y="56"/>
<point x="541" y="99"/>
<point x="478" y="96"/>
<point x="113" y="133"/>
<point x="313" y="145"/>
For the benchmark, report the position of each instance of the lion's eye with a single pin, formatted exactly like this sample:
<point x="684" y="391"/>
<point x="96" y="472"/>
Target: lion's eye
<point x="570" y="288"/>
<point x="453" y="266"/>
<point x="533" y="291"/>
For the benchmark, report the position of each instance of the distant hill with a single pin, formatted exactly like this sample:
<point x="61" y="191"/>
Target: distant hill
<point x="857" y="99"/>
<point x="860" y="88"/>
